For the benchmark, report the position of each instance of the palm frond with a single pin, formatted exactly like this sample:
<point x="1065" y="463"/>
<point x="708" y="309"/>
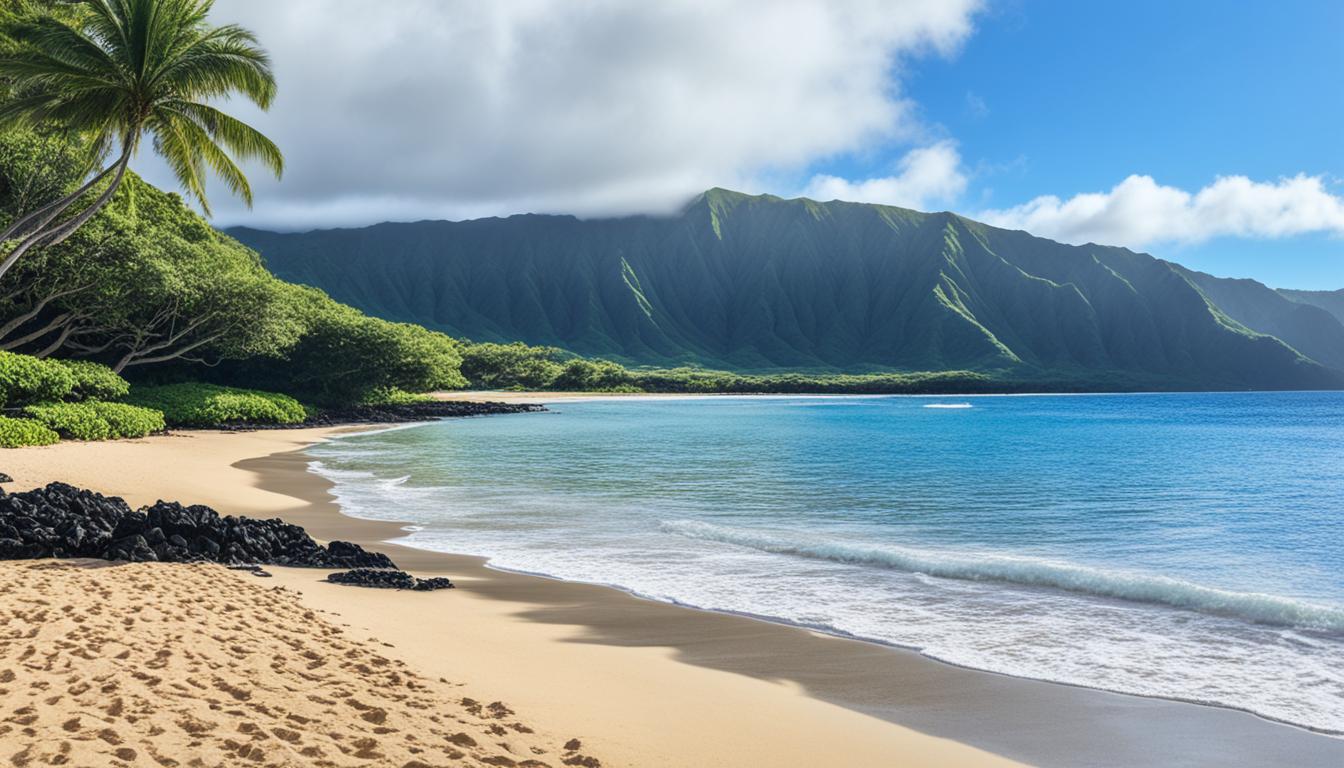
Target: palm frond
<point x="82" y="110"/>
<point x="121" y="68"/>
<point x="106" y="23"/>
<point x="173" y="25"/>
<point x="183" y="158"/>
<point x="34" y="70"/>
<point x="223" y="61"/>
<point x="240" y="138"/>
<point x="56" y="41"/>
<point x="202" y="142"/>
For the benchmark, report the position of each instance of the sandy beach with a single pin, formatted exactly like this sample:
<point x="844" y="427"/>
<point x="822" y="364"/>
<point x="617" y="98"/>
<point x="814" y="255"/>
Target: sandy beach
<point x="128" y="664"/>
<point x="628" y="704"/>
<point x="637" y="682"/>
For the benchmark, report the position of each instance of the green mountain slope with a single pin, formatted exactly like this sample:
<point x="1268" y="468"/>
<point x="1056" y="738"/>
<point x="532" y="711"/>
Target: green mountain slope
<point x="1330" y="301"/>
<point x="761" y="283"/>
<point x="1311" y="330"/>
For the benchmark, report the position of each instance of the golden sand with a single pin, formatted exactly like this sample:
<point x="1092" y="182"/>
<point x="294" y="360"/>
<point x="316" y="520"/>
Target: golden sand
<point x="198" y="665"/>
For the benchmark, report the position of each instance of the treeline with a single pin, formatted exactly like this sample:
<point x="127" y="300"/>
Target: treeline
<point x="523" y="367"/>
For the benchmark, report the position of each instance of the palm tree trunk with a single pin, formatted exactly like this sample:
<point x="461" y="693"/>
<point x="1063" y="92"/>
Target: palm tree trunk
<point x="64" y="230"/>
<point x="43" y="216"/>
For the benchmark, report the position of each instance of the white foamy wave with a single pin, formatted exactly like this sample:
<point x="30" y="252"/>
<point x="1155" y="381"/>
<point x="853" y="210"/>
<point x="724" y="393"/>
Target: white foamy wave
<point x="1034" y="572"/>
<point x="338" y="475"/>
<point x="957" y="406"/>
<point x="364" y="494"/>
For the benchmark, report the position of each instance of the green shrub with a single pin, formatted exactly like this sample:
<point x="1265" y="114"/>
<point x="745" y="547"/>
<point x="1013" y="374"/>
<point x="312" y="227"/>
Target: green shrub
<point x="393" y="396"/>
<point x="510" y="366"/>
<point x="15" y="433"/>
<point x="94" y="381"/>
<point x="593" y="376"/>
<point x="129" y="420"/>
<point x="209" y="405"/>
<point x="77" y="421"/>
<point x="94" y="420"/>
<point x="343" y="356"/>
<point x="26" y="379"/>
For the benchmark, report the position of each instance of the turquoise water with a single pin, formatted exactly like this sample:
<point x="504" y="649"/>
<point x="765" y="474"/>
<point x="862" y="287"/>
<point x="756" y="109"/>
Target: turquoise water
<point x="1181" y="545"/>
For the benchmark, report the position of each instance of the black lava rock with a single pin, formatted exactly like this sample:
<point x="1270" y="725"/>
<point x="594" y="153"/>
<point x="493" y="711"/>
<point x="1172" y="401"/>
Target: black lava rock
<point x="5" y="478"/>
<point x="387" y="579"/>
<point x="63" y="521"/>
<point x="396" y="414"/>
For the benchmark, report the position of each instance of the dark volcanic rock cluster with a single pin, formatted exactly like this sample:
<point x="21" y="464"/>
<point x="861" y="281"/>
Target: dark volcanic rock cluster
<point x="404" y="413"/>
<point x="63" y="521"/>
<point x="370" y="577"/>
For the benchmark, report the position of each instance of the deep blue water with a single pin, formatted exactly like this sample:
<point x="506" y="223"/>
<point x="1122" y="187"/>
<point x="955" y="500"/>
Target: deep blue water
<point x="1180" y="545"/>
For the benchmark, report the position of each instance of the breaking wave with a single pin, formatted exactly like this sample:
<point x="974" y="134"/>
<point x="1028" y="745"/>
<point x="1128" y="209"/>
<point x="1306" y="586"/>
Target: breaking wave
<point x="1033" y="572"/>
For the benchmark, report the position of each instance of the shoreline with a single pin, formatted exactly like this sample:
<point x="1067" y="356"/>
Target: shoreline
<point x="542" y="397"/>
<point x="500" y="637"/>
<point x="277" y="473"/>
<point x="582" y="659"/>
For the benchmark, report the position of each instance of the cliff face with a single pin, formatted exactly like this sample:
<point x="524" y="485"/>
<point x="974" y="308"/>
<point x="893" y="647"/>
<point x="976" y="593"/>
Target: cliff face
<point x="760" y="283"/>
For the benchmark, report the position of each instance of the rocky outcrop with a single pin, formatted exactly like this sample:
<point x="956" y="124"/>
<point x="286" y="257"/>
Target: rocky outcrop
<point x="63" y="521"/>
<point x="397" y="414"/>
<point x="371" y="577"/>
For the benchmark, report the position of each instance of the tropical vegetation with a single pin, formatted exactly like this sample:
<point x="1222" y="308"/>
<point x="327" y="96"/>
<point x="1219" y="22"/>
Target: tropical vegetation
<point x="16" y="433"/>
<point x="114" y="72"/>
<point x="193" y="404"/>
<point x="96" y="420"/>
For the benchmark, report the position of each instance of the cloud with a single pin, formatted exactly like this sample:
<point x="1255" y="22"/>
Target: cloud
<point x="446" y="109"/>
<point x="925" y="177"/>
<point x="1138" y="211"/>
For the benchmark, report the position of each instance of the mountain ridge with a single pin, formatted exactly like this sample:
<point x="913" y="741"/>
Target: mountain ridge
<point x="762" y="283"/>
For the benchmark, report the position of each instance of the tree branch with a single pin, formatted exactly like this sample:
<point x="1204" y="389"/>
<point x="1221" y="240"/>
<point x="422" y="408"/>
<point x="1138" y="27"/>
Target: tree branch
<point x="170" y="356"/>
<point x="59" y="321"/>
<point x="18" y="322"/>
<point x="58" y="343"/>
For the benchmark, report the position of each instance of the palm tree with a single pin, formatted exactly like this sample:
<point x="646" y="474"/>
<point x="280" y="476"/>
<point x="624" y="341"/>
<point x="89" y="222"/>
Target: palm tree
<point x="124" y="69"/>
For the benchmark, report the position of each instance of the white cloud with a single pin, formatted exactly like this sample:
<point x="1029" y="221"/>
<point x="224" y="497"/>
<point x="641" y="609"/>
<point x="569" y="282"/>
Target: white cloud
<point x="1138" y="211"/>
<point x="925" y="177"/>
<point x="445" y="109"/>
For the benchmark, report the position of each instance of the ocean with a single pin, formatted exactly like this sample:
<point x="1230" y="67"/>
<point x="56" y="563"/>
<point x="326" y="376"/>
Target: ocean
<point x="1187" y="546"/>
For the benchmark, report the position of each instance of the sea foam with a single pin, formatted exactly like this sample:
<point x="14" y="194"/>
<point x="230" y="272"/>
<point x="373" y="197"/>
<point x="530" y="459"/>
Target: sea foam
<point x="1032" y="572"/>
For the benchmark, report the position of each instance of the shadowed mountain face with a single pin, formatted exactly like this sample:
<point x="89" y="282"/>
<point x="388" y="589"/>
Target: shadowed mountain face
<point x="1306" y="325"/>
<point x="761" y="283"/>
<point x="1330" y="301"/>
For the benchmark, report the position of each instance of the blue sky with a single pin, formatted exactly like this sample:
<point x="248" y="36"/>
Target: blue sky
<point x="1205" y="132"/>
<point x="1058" y="98"/>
